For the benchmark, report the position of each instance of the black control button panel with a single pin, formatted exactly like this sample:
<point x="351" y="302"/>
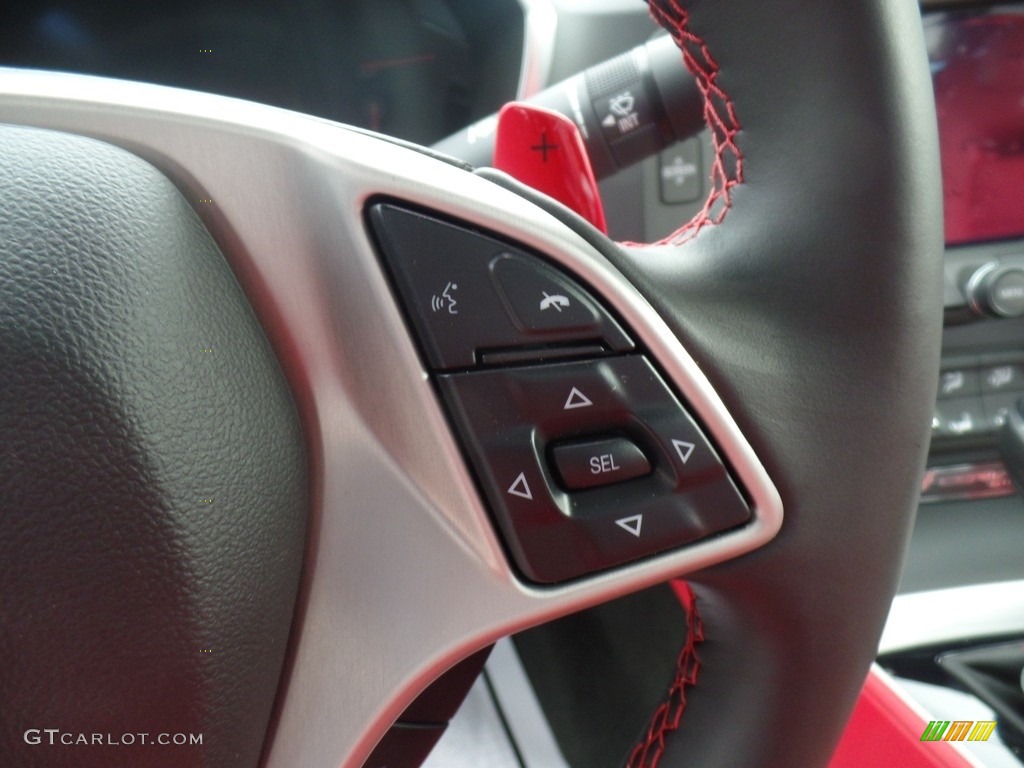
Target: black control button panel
<point x="512" y="420"/>
<point x="997" y="408"/>
<point x="958" y="382"/>
<point x="1002" y="377"/>
<point x="586" y="457"/>
<point x="471" y="295"/>
<point x="976" y="393"/>
<point x="960" y="416"/>
<point x="592" y="463"/>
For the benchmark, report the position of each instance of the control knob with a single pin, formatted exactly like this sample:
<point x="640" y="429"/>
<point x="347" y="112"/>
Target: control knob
<point x="997" y="290"/>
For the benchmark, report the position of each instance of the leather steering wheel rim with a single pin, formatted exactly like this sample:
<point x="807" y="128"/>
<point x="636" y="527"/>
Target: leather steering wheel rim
<point x="814" y="309"/>
<point x="809" y="298"/>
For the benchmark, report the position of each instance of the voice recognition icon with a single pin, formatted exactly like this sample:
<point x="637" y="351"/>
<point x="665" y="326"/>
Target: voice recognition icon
<point x="446" y="301"/>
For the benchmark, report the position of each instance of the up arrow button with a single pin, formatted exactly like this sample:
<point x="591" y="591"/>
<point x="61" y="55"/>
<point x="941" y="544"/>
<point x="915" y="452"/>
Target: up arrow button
<point x="520" y="487"/>
<point x="576" y="399"/>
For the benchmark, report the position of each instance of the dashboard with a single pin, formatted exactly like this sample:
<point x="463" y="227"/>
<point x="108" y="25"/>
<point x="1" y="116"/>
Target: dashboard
<point x="414" y="69"/>
<point x="977" y="62"/>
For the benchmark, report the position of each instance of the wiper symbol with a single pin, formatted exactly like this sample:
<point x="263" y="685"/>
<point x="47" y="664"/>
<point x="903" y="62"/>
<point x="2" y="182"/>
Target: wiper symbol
<point x="557" y="301"/>
<point x="437" y="303"/>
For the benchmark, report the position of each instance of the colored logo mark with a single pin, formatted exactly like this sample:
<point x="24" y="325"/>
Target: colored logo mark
<point x="958" y="730"/>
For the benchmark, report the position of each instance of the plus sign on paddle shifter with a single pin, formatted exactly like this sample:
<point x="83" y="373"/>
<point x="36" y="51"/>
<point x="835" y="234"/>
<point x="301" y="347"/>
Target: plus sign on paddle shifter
<point x="544" y="147"/>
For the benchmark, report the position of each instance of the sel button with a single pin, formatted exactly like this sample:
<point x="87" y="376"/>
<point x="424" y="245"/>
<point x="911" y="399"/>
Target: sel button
<point x="598" y="462"/>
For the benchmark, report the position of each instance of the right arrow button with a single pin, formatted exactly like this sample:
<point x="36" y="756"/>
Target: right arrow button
<point x="687" y="451"/>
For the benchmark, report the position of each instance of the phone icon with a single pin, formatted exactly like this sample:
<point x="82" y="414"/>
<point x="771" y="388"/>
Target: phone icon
<point x="557" y="301"/>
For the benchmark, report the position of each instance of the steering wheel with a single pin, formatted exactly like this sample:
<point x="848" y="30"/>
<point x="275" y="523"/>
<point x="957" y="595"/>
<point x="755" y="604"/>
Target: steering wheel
<point x="233" y="503"/>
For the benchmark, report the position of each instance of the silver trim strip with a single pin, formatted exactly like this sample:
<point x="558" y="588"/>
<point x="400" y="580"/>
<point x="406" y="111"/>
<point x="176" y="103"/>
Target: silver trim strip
<point x="540" y="27"/>
<point x="399" y="537"/>
<point x="922" y="619"/>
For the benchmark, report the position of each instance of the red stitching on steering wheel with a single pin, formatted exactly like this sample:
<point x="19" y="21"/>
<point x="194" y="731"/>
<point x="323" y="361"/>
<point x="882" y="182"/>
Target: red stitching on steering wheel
<point x="666" y="718"/>
<point x="719" y="114"/>
<point x="726" y="173"/>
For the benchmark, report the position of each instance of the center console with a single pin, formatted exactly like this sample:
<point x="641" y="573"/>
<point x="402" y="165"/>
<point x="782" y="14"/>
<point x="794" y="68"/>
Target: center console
<point x="974" y="57"/>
